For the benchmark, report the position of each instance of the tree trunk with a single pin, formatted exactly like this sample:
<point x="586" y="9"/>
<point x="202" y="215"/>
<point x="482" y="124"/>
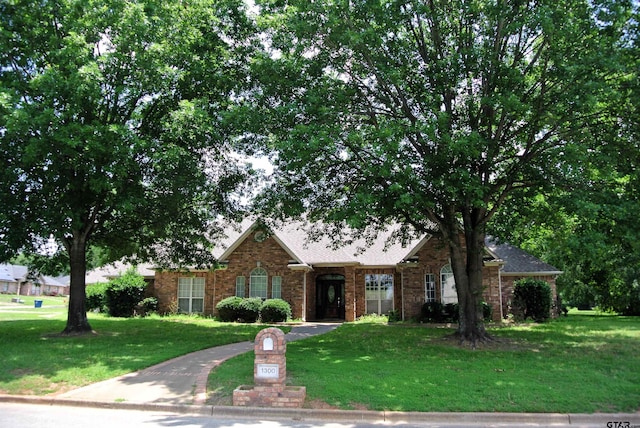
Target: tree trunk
<point x="466" y="263"/>
<point x="77" y="322"/>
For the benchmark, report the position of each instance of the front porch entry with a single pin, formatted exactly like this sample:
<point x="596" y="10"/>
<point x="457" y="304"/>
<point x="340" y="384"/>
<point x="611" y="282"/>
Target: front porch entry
<point x="330" y="302"/>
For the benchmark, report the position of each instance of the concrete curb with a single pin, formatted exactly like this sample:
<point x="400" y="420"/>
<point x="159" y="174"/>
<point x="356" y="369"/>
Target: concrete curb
<point x="353" y="416"/>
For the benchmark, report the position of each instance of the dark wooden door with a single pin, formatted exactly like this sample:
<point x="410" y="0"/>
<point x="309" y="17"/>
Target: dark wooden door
<point x="330" y="299"/>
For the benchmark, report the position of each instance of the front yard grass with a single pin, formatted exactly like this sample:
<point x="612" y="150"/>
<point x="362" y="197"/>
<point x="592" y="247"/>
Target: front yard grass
<point x="37" y="361"/>
<point x="577" y="364"/>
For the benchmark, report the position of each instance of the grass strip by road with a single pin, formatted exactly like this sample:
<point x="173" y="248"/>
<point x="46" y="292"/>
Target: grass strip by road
<point x="578" y="364"/>
<point x="36" y="361"/>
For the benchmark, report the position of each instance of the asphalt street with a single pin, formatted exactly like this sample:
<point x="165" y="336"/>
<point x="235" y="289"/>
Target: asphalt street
<point x="15" y="415"/>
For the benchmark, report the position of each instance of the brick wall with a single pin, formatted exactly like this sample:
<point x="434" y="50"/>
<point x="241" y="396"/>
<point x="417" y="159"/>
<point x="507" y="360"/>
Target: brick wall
<point x="409" y="280"/>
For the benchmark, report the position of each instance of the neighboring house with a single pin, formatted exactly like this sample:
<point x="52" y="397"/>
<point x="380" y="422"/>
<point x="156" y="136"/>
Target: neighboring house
<point x="16" y="279"/>
<point x="324" y="283"/>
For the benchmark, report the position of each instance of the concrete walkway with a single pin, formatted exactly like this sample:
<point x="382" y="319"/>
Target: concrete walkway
<point x="180" y="381"/>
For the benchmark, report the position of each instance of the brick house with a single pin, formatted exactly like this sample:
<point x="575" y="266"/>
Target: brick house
<point x="17" y="279"/>
<point x="324" y="283"/>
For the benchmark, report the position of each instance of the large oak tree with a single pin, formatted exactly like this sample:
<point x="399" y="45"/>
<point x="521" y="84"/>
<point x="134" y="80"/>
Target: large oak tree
<point x="432" y="113"/>
<point x="114" y="128"/>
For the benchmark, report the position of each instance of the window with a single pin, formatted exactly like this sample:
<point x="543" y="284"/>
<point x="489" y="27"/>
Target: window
<point x="191" y="295"/>
<point x="429" y="287"/>
<point x="448" y="285"/>
<point x="258" y="283"/>
<point x="276" y="287"/>
<point x="378" y="293"/>
<point x="240" y="283"/>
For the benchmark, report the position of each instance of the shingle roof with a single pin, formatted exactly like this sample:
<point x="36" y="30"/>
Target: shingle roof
<point x="294" y="237"/>
<point x="13" y="272"/>
<point x="517" y="260"/>
<point x="6" y="274"/>
<point x="113" y="270"/>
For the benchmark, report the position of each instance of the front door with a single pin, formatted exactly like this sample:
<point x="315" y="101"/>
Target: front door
<point x="330" y="297"/>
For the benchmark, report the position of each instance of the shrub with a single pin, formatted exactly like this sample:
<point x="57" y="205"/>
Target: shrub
<point x="96" y="297"/>
<point x="531" y="299"/>
<point x="229" y="309"/>
<point x="373" y="319"/>
<point x="124" y="293"/>
<point x="148" y="305"/>
<point x="275" y="310"/>
<point x="487" y="311"/>
<point x="394" y="316"/>
<point x="432" y="312"/>
<point x="249" y="309"/>
<point x="451" y="312"/>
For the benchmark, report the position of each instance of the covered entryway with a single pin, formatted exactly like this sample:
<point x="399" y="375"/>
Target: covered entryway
<point x="330" y="297"/>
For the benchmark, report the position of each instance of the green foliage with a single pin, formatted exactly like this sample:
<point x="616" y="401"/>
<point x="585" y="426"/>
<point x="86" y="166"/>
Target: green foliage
<point x="97" y="297"/>
<point x="531" y="300"/>
<point x="372" y="319"/>
<point x="432" y="312"/>
<point x="432" y="114"/>
<point x="436" y="312"/>
<point x="229" y="309"/>
<point x="452" y="312"/>
<point x="275" y="310"/>
<point x="394" y="316"/>
<point x="124" y="293"/>
<point x="148" y="305"/>
<point x="116" y="129"/>
<point x="487" y="311"/>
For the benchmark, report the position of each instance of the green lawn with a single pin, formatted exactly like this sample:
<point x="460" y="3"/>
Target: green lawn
<point x="579" y="364"/>
<point x="582" y="363"/>
<point x="35" y="360"/>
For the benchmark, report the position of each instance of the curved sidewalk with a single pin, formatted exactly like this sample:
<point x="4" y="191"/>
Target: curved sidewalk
<point x="180" y="381"/>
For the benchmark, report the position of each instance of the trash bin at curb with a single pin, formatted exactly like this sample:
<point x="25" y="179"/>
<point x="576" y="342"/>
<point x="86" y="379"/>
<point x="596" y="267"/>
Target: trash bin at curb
<point x="37" y="303"/>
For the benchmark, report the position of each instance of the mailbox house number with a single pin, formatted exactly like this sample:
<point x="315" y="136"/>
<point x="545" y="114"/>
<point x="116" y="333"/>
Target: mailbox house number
<point x="268" y="371"/>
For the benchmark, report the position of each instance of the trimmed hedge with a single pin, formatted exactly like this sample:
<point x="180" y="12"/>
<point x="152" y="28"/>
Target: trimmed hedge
<point x="275" y="310"/>
<point x="249" y="310"/>
<point x="229" y="309"/>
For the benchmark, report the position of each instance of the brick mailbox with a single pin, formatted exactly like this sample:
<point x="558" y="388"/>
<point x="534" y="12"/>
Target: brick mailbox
<point x="269" y="375"/>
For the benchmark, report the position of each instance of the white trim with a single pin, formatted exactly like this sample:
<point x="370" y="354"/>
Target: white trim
<point x="500" y="291"/>
<point x="337" y="264"/>
<point x="361" y="266"/>
<point x="304" y="295"/>
<point x="418" y="247"/>
<point x="300" y="266"/>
